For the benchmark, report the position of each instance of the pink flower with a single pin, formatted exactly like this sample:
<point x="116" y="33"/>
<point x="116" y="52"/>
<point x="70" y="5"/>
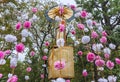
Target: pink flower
<point x="61" y="27"/>
<point x="44" y="58"/>
<point x="59" y="65"/>
<point x="2" y="55"/>
<point x="83" y="14"/>
<point x="94" y="34"/>
<point x="90" y="57"/>
<point x="97" y="57"/>
<point x="80" y="53"/>
<point x="103" y="39"/>
<point x="107" y="56"/>
<point x="104" y="33"/>
<point x="81" y="26"/>
<point x="67" y="81"/>
<point x="94" y="23"/>
<point x="84" y="73"/>
<point x="20" y="47"/>
<point x="1" y="75"/>
<point x="42" y="76"/>
<point x="32" y="53"/>
<point x="100" y="62"/>
<point x="117" y="60"/>
<point x="73" y="32"/>
<point x="13" y="79"/>
<point x="61" y="10"/>
<point x="18" y="26"/>
<point x="47" y="43"/>
<point x="28" y="69"/>
<point x="27" y="24"/>
<point x="7" y="52"/>
<point x="34" y="10"/>
<point x="72" y="7"/>
<point x="110" y="64"/>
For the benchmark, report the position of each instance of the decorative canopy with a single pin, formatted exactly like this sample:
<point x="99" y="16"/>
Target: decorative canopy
<point x="63" y="12"/>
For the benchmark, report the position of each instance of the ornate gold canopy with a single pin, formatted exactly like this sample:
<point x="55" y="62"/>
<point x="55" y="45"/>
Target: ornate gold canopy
<point x="54" y="11"/>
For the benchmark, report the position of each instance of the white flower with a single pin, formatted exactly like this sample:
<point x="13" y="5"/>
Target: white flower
<point x="89" y="23"/>
<point x="76" y="42"/>
<point x="60" y="42"/>
<point x="58" y="19"/>
<point x="60" y="80"/>
<point x="97" y="47"/>
<point x="112" y="46"/>
<point x="89" y="15"/>
<point x="102" y="80"/>
<point x="73" y="38"/>
<point x="112" y="78"/>
<point x="2" y="61"/>
<point x="45" y="50"/>
<point x="85" y="39"/>
<point x="77" y="14"/>
<point x="10" y="38"/>
<point x="78" y="9"/>
<point x="24" y="33"/>
<point x="107" y="50"/>
<point x="44" y="65"/>
<point x="27" y="77"/>
<point x="100" y="29"/>
<point x="10" y="75"/>
<point x="13" y="62"/>
<point x="23" y="39"/>
<point x="34" y="18"/>
<point x="29" y="61"/>
<point x="86" y="30"/>
<point x="100" y="68"/>
<point x="24" y="16"/>
<point x="3" y="28"/>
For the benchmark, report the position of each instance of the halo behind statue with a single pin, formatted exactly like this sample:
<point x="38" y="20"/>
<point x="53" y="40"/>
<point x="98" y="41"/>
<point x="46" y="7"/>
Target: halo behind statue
<point x="53" y="12"/>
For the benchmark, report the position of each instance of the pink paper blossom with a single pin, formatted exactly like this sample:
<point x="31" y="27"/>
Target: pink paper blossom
<point x="18" y="26"/>
<point x="1" y="75"/>
<point x="47" y="43"/>
<point x="32" y="53"/>
<point x="72" y="7"/>
<point x="13" y="79"/>
<point x="20" y="47"/>
<point x="42" y="76"/>
<point x="100" y="62"/>
<point x="80" y="53"/>
<point x="7" y="52"/>
<point x="61" y="10"/>
<point x="117" y="60"/>
<point x="59" y="65"/>
<point x="104" y="33"/>
<point x="110" y="64"/>
<point x="83" y="14"/>
<point x="61" y="27"/>
<point x="67" y="81"/>
<point x="44" y="58"/>
<point x="94" y="34"/>
<point x="34" y="10"/>
<point x="90" y="57"/>
<point x="27" y="24"/>
<point x="2" y="55"/>
<point x="94" y="23"/>
<point x="84" y="73"/>
<point x="107" y="56"/>
<point x="97" y="57"/>
<point x="73" y="32"/>
<point x="28" y="69"/>
<point x="103" y="39"/>
<point x="81" y="26"/>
